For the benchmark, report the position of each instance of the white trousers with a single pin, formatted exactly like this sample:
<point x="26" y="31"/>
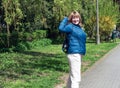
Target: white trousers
<point x="75" y="70"/>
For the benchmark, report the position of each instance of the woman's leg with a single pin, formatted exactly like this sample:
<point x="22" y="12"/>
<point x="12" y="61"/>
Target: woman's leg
<point x="75" y="70"/>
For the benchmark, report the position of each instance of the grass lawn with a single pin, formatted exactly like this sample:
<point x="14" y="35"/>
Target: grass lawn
<point x="41" y="67"/>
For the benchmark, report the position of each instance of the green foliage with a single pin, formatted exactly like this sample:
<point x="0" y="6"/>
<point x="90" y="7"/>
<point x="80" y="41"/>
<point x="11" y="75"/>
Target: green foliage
<point x="40" y="43"/>
<point x="108" y="17"/>
<point x="88" y="9"/>
<point x="7" y="60"/>
<point x="12" y="17"/>
<point x="26" y="36"/>
<point x="19" y="41"/>
<point x="106" y="25"/>
<point x="35" y="35"/>
<point x="22" y="46"/>
<point x="39" y="34"/>
<point x="37" y="13"/>
<point x="3" y="37"/>
<point x="12" y="12"/>
<point x="22" y="20"/>
<point x="64" y="7"/>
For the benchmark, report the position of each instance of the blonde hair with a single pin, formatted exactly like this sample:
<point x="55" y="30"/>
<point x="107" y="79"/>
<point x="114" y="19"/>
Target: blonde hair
<point x="75" y="14"/>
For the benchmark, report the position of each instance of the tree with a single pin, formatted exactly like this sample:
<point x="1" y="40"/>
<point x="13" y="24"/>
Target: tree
<point x="108" y="13"/>
<point x="12" y="16"/>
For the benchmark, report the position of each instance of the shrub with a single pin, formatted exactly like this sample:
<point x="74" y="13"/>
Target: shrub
<point x="40" y="43"/>
<point x="22" y="46"/>
<point x="3" y="42"/>
<point x="106" y="25"/>
<point x="38" y="34"/>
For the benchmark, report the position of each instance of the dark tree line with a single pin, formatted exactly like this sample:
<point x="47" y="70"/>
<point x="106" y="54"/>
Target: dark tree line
<point x="20" y="18"/>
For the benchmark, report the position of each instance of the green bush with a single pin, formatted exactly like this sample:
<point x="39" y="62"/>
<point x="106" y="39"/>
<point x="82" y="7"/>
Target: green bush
<point x="27" y="36"/>
<point x="106" y="25"/>
<point x="3" y="42"/>
<point x="40" y="43"/>
<point x="20" y="47"/>
<point x="38" y="34"/>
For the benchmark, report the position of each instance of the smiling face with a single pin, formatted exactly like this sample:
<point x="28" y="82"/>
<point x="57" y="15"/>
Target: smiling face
<point x="75" y="20"/>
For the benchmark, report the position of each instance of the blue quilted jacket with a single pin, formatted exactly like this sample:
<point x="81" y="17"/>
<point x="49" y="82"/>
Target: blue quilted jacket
<point x="76" y="37"/>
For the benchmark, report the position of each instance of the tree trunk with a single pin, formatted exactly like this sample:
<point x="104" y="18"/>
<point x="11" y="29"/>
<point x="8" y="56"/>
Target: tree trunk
<point x="8" y="36"/>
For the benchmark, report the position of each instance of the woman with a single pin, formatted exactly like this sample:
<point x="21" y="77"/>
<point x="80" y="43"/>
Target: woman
<point x="72" y="25"/>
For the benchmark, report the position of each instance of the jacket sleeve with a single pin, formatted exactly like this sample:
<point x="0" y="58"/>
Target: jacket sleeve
<point x="64" y="27"/>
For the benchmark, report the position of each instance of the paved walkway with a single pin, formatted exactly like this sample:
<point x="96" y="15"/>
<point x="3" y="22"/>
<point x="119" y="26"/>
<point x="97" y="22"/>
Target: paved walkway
<point x="105" y="73"/>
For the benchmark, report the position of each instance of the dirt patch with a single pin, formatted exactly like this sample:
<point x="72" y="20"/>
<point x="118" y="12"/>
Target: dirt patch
<point x="85" y="65"/>
<point x="63" y="81"/>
